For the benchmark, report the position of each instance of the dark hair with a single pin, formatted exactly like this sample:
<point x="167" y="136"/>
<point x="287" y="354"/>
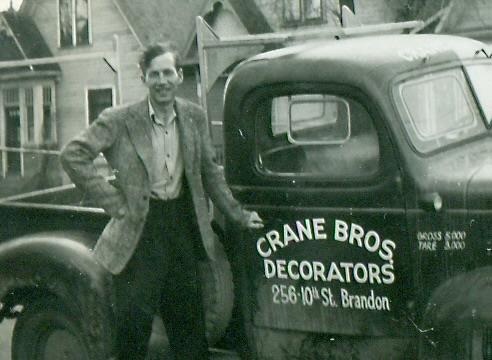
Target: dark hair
<point x="157" y="49"/>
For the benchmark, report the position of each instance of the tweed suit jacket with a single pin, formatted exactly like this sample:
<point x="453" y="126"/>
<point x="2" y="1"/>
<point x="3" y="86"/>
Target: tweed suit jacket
<point x="123" y="135"/>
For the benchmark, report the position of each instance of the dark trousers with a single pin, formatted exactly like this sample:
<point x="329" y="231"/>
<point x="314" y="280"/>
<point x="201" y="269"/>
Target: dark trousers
<point x="162" y="276"/>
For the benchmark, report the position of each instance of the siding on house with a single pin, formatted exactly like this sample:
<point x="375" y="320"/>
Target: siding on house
<point x="78" y="76"/>
<point x="25" y="105"/>
<point x="377" y="11"/>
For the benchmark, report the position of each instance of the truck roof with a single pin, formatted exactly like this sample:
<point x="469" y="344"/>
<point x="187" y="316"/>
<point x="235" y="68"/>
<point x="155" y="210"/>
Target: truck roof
<point x="371" y="60"/>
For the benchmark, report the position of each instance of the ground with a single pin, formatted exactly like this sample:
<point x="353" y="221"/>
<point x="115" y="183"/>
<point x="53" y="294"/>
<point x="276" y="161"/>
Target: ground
<point x="6" y="333"/>
<point x="384" y="351"/>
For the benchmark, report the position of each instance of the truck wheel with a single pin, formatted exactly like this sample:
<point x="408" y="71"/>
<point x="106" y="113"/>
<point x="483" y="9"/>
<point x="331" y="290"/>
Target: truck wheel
<point x="481" y="344"/>
<point x="45" y="330"/>
<point x="217" y="293"/>
<point x="459" y="317"/>
<point x="460" y="341"/>
<point x="218" y="300"/>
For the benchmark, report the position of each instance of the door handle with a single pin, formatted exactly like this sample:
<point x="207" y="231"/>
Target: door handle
<point x="431" y="202"/>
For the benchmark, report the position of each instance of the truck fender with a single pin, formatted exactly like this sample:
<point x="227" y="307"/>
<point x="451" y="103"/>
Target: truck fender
<point x="459" y="316"/>
<point x="58" y="264"/>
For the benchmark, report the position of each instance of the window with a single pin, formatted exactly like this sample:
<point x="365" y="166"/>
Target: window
<point x="97" y="101"/>
<point x="292" y="11"/>
<point x="312" y="9"/>
<point x="28" y="121"/>
<point x="30" y="114"/>
<point x="303" y="11"/>
<point x="49" y="125"/>
<point x="310" y="118"/>
<point x="12" y="161"/>
<point x="74" y="22"/>
<point x="434" y="120"/>
<point x="316" y="135"/>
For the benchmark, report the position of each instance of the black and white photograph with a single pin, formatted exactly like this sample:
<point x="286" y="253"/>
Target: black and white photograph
<point x="245" y="180"/>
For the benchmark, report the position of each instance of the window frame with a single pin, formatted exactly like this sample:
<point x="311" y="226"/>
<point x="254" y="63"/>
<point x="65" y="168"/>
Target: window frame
<point x="302" y="14"/>
<point x="38" y="108"/>
<point x="291" y="138"/>
<point x="54" y="134"/>
<point x="355" y="95"/>
<point x="402" y="112"/>
<point x="74" y="43"/>
<point x="97" y="87"/>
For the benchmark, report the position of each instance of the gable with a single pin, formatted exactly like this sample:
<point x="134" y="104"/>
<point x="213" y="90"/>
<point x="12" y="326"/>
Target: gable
<point x="159" y="20"/>
<point x="21" y="39"/>
<point x="251" y="16"/>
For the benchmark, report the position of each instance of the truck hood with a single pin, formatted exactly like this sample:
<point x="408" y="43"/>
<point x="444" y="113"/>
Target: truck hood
<point x="479" y="187"/>
<point x="462" y="176"/>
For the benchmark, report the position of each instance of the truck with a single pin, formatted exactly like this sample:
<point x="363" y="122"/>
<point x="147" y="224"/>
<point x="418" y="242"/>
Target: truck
<point x="368" y="158"/>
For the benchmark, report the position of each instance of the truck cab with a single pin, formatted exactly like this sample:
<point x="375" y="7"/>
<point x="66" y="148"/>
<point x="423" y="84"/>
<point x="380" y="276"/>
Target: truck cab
<point x="369" y="160"/>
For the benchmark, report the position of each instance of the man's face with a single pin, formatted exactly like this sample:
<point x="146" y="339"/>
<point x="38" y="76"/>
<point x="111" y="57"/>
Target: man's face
<point x="162" y="79"/>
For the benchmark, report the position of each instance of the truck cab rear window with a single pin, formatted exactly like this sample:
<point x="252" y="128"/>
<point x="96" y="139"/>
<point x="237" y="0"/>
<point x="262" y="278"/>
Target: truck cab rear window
<point x="316" y="135"/>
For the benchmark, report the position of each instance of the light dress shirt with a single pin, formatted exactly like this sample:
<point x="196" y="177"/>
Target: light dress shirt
<point x="167" y="160"/>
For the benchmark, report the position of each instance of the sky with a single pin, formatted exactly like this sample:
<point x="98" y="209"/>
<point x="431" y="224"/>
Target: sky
<point x="4" y="4"/>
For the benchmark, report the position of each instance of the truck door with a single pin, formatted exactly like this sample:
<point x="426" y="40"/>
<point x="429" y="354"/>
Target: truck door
<point x="333" y="254"/>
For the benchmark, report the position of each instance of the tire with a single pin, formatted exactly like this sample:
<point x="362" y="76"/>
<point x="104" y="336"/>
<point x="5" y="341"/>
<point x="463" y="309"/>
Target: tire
<point x="217" y="293"/>
<point x="459" y="319"/>
<point x="457" y="341"/>
<point x="218" y="301"/>
<point x="45" y="330"/>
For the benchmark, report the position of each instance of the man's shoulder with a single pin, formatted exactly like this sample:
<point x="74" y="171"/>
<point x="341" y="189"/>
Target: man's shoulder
<point x="123" y="109"/>
<point x="192" y="107"/>
<point x="116" y="116"/>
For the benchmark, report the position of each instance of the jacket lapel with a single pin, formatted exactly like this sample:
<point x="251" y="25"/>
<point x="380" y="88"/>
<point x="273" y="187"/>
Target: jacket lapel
<point x="139" y="130"/>
<point x="187" y="135"/>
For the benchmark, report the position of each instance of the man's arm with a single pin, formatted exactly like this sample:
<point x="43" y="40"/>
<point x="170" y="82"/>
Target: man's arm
<point x="216" y="186"/>
<point x="77" y="158"/>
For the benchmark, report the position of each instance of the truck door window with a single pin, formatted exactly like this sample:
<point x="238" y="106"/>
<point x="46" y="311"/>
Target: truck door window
<point x="316" y="135"/>
<point x="439" y="109"/>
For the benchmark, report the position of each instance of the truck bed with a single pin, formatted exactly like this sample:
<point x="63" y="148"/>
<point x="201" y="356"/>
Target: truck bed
<point x="57" y="209"/>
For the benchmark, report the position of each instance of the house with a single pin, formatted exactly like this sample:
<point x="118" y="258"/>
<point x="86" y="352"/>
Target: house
<point x="294" y="14"/>
<point x="27" y="103"/>
<point x="118" y="30"/>
<point x="86" y="54"/>
<point x="473" y="18"/>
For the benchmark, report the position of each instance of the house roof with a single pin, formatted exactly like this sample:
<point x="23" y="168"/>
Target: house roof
<point x="175" y="20"/>
<point x="20" y="39"/>
<point x="251" y="16"/>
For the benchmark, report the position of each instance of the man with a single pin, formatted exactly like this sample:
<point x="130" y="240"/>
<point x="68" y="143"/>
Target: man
<point x="164" y="164"/>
